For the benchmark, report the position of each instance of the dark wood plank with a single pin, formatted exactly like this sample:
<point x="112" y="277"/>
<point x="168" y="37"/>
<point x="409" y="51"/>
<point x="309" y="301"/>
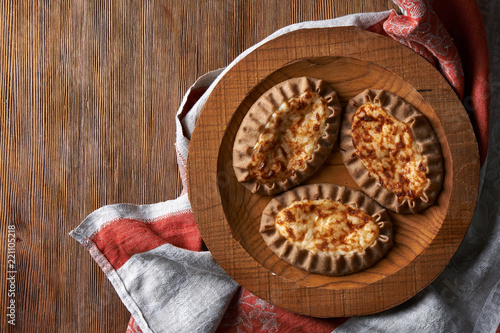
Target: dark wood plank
<point x="89" y="91"/>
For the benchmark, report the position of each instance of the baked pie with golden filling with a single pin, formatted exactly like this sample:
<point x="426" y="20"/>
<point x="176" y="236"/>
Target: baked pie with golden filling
<point x="286" y="135"/>
<point x="326" y="229"/>
<point x="391" y="151"/>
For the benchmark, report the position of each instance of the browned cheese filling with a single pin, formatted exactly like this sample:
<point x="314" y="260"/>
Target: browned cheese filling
<point x="289" y="138"/>
<point x="327" y="226"/>
<point x="388" y="150"/>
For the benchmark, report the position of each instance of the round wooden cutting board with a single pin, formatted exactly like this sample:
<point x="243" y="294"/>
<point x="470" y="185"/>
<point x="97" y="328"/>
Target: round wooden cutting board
<point x="228" y="216"/>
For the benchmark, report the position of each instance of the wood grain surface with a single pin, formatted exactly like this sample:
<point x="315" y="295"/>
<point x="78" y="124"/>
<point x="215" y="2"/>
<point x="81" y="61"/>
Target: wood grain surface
<point x="228" y="215"/>
<point x="88" y="94"/>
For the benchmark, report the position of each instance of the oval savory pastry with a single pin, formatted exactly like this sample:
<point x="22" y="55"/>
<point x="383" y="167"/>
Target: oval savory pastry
<point x="391" y="151"/>
<point x="326" y="229"/>
<point x="286" y="135"/>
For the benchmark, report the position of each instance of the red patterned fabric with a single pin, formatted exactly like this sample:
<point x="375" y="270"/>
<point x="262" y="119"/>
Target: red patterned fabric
<point x="421" y="30"/>
<point x="132" y="326"/>
<point x="248" y="313"/>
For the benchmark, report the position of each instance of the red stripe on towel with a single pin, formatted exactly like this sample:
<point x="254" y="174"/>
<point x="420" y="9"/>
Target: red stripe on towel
<point x="121" y="239"/>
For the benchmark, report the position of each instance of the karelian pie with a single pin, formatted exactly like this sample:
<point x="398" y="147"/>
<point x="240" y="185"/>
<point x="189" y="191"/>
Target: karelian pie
<point x="391" y="151"/>
<point x="286" y="135"/>
<point x="327" y="229"/>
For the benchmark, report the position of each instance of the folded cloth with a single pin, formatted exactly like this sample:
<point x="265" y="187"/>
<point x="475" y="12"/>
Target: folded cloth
<point x="151" y="253"/>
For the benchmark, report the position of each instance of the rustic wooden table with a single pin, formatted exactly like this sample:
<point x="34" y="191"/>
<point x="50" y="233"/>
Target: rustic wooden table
<point x="88" y="95"/>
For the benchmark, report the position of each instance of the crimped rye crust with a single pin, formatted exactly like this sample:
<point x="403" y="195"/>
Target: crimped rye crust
<point x="424" y="138"/>
<point x="322" y="262"/>
<point x="259" y="115"/>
